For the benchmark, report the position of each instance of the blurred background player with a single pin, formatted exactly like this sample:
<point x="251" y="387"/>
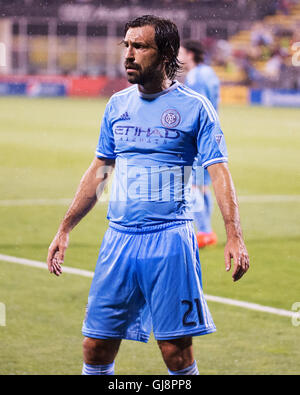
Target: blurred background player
<point x="202" y="79"/>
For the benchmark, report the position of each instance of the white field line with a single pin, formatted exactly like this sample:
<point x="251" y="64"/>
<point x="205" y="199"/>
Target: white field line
<point x="34" y="202"/>
<point x="216" y="299"/>
<point x="67" y="201"/>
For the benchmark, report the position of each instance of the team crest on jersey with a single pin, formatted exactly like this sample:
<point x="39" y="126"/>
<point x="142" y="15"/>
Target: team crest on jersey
<point x="170" y="119"/>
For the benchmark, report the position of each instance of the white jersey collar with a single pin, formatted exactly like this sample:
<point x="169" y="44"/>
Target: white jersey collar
<point x="155" y="95"/>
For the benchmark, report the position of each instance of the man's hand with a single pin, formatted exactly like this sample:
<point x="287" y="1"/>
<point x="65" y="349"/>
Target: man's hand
<point x="56" y="253"/>
<point x="235" y="249"/>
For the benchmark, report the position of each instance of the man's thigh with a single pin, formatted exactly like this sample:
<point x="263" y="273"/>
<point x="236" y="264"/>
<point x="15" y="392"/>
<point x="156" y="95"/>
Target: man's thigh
<point x="100" y="351"/>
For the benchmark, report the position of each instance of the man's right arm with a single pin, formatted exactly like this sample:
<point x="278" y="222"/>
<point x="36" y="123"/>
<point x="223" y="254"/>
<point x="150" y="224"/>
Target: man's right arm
<point x="90" y="188"/>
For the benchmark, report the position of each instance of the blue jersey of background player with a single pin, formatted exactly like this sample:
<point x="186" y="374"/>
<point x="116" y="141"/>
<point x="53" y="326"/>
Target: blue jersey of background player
<point x="202" y="79"/>
<point x="148" y="273"/>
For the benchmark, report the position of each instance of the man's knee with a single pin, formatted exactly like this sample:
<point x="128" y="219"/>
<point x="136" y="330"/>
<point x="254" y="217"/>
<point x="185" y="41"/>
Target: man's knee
<point x="100" y="351"/>
<point x="177" y="353"/>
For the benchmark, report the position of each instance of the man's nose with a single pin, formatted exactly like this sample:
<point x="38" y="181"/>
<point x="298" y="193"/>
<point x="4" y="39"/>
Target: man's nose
<point x="129" y="53"/>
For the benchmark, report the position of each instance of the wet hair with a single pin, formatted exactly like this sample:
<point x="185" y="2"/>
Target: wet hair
<point x="166" y="38"/>
<point x="196" y="48"/>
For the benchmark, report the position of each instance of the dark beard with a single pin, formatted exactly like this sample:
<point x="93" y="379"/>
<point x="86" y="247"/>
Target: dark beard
<point x="151" y="73"/>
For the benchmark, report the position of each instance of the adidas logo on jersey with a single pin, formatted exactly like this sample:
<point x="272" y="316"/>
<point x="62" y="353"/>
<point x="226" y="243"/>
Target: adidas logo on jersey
<point x="125" y="117"/>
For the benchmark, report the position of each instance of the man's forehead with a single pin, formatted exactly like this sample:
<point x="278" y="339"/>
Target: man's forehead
<point x="141" y="34"/>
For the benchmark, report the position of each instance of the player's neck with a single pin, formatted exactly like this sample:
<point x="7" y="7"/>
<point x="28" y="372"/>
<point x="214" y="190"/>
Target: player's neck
<point x="155" y="87"/>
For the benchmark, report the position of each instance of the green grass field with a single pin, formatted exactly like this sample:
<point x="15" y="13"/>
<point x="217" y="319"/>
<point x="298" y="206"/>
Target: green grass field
<point x="46" y="145"/>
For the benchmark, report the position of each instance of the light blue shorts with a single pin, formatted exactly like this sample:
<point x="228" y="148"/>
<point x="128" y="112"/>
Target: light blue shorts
<point x="148" y="278"/>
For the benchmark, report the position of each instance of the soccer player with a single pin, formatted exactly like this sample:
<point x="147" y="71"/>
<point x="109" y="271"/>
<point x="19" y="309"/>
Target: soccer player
<point x="148" y="273"/>
<point x="202" y="79"/>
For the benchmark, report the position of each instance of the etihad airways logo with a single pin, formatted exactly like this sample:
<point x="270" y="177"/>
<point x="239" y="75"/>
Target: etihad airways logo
<point x="132" y="133"/>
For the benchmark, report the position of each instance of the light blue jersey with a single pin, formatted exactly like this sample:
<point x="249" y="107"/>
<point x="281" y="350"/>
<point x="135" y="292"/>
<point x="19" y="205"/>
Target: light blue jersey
<point x="204" y="81"/>
<point x="155" y="139"/>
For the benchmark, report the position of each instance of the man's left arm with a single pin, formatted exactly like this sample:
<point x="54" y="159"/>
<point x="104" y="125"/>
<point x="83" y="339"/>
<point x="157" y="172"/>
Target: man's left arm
<point x="227" y="200"/>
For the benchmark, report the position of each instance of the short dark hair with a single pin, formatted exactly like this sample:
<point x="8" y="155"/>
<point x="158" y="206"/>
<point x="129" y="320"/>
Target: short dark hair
<point x="196" y="48"/>
<point x="166" y="37"/>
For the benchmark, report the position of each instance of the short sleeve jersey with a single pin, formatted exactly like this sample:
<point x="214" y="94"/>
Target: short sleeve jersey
<point x="154" y="139"/>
